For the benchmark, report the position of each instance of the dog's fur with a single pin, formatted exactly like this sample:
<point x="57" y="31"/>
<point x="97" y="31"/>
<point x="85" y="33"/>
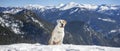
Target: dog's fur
<point x="58" y="33"/>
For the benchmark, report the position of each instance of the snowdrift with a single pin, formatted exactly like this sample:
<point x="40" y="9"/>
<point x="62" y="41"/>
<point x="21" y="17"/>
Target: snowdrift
<point x="65" y="47"/>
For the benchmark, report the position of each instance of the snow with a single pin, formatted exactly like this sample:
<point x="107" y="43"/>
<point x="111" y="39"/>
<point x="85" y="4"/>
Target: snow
<point x="112" y="31"/>
<point x="118" y="14"/>
<point x="104" y="8"/>
<point x="14" y="25"/>
<point x="113" y="8"/>
<point x="15" y="28"/>
<point x="64" y="47"/>
<point x="38" y="7"/>
<point x="35" y="6"/>
<point x="69" y="5"/>
<point x="107" y="7"/>
<point x="12" y="11"/>
<point x="1" y="21"/>
<point x="74" y="11"/>
<point x="107" y="20"/>
<point x="60" y="5"/>
<point x="89" y="6"/>
<point x="73" y="4"/>
<point x="36" y="21"/>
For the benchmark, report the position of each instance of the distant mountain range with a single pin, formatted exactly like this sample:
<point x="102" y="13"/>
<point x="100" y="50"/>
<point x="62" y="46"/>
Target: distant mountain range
<point x="87" y="24"/>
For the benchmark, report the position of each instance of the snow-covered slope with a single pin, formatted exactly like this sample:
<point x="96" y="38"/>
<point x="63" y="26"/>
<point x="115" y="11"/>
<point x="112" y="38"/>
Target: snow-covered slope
<point x="66" y="47"/>
<point x="7" y="21"/>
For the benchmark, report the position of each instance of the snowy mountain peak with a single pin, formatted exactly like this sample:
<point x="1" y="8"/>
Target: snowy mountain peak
<point x="108" y="7"/>
<point x="69" y="5"/>
<point x="36" y="6"/>
<point x="13" y="11"/>
<point x="61" y="4"/>
<point x="73" y="4"/>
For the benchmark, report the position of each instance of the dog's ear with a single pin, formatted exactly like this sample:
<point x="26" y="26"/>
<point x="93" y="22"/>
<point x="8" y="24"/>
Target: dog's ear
<point x="58" y="21"/>
<point x="65" y="22"/>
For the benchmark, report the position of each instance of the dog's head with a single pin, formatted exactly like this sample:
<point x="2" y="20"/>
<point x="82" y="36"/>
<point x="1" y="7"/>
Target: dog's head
<point x="61" y="23"/>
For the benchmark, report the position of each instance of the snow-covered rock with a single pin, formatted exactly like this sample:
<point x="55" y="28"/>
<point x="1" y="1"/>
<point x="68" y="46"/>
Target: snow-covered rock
<point x="107" y="20"/>
<point x="114" y="30"/>
<point x="36" y="21"/>
<point x="65" y="47"/>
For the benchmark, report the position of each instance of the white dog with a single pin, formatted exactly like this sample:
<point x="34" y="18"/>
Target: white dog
<point x="58" y="33"/>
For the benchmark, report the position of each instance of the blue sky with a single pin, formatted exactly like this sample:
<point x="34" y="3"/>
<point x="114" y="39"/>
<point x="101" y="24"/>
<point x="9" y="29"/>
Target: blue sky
<point x="55" y="2"/>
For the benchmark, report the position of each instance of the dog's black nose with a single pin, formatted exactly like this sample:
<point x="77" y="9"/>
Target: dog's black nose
<point x="62" y="25"/>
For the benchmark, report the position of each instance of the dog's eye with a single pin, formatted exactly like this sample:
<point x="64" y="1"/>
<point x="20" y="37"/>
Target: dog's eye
<point x="61" y="22"/>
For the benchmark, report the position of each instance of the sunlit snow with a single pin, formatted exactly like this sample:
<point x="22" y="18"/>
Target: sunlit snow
<point x="36" y="21"/>
<point x="74" y="11"/>
<point x="107" y="20"/>
<point x="114" y="30"/>
<point x="65" y="47"/>
<point x="12" y="11"/>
